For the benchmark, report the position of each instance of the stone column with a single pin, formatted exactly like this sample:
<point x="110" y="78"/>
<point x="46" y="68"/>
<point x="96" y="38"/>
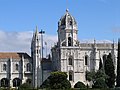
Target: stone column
<point x="11" y="70"/>
<point x="22" y="66"/>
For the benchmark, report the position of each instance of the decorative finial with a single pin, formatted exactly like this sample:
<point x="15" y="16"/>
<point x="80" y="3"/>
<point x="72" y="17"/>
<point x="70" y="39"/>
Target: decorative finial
<point x="36" y="27"/>
<point x="113" y="41"/>
<point x="67" y="10"/>
<point x="94" y="41"/>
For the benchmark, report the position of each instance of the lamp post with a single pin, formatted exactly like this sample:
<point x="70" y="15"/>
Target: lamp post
<point x="42" y="32"/>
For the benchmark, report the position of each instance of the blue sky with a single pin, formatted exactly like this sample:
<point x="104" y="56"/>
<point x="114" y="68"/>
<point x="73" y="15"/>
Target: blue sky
<point x="98" y="19"/>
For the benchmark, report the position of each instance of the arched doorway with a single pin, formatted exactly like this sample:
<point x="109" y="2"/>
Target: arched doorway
<point x="16" y="82"/>
<point x="4" y="82"/>
<point x="29" y="81"/>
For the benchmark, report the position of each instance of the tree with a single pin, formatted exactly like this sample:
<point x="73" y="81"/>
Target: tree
<point x="90" y="76"/>
<point x="100" y="83"/>
<point x="57" y="80"/>
<point x="98" y="78"/>
<point x="109" y="70"/>
<point x="25" y="86"/>
<point x="118" y="66"/>
<point x="79" y="85"/>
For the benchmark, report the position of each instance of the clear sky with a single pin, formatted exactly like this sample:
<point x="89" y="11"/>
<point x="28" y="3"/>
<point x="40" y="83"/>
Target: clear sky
<point x="98" y="19"/>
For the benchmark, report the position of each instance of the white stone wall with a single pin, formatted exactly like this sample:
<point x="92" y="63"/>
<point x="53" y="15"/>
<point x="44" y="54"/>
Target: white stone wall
<point x="11" y="72"/>
<point x="79" y="68"/>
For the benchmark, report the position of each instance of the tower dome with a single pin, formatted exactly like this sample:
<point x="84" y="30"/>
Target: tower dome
<point x="67" y="30"/>
<point x="67" y="21"/>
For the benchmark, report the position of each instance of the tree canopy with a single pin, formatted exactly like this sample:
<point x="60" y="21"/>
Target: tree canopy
<point x="118" y="66"/>
<point x="79" y="85"/>
<point x="109" y="71"/>
<point x="98" y="78"/>
<point x="57" y="80"/>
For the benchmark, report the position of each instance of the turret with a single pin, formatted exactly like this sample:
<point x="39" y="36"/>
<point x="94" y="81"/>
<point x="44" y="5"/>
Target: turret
<point x="36" y="57"/>
<point x="67" y="30"/>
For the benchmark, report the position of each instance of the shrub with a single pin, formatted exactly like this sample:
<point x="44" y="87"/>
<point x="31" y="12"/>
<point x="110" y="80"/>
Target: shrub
<point x="25" y="86"/>
<point x="57" y="80"/>
<point x="79" y="85"/>
<point x="100" y="83"/>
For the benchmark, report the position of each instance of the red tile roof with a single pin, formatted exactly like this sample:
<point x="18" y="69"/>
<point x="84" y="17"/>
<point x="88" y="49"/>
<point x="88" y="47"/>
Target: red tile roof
<point x="14" y="55"/>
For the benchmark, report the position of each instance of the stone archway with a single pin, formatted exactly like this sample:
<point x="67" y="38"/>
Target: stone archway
<point x="4" y="82"/>
<point x="16" y="82"/>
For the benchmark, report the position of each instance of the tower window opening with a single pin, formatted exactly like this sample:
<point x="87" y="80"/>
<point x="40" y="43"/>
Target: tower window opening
<point x="86" y="60"/>
<point x="37" y="51"/>
<point x="4" y="67"/>
<point x="16" y="67"/>
<point x="28" y="67"/>
<point x="70" y="22"/>
<point x="69" y="41"/>
<point x="70" y="61"/>
<point x="37" y="39"/>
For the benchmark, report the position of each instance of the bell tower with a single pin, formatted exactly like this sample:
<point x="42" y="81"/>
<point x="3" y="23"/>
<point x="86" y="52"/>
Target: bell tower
<point x="67" y="30"/>
<point x="36" y="57"/>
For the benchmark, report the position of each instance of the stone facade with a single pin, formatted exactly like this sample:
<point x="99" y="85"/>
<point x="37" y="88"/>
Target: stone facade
<point x="16" y="68"/>
<point x="74" y="57"/>
<point x="68" y="55"/>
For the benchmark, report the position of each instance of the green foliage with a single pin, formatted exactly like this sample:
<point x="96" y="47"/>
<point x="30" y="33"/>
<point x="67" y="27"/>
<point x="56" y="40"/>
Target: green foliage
<point x="57" y="80"/>
<point x="109" y="70"/>
<point x="98" y="78"/>
<point x="100" y="83"/>
<point x="25" y="86"/>
<point x="79" y="85"/>
<point x="101" y="74"/>
<point x="118" y="66"/>
<point x="90" y="76"/>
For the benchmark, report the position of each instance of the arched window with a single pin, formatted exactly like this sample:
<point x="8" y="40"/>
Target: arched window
<point x="70" y="76"/>
<point x="16" y="67"/>
<point x="16" y="82"/>
<point x="70" y="22"/>
<point x="69" y="41"/>
<point x="70" y="61"/>
<point x="4" y="67"/>
<point x="86" y="60"/>
<point x="28" y="67"/>
<point x="4" y="82"/>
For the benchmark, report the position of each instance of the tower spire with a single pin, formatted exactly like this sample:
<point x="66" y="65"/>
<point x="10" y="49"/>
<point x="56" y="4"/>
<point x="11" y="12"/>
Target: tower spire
<point x="36" y="31"/>
<point x="66" y="5"/>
